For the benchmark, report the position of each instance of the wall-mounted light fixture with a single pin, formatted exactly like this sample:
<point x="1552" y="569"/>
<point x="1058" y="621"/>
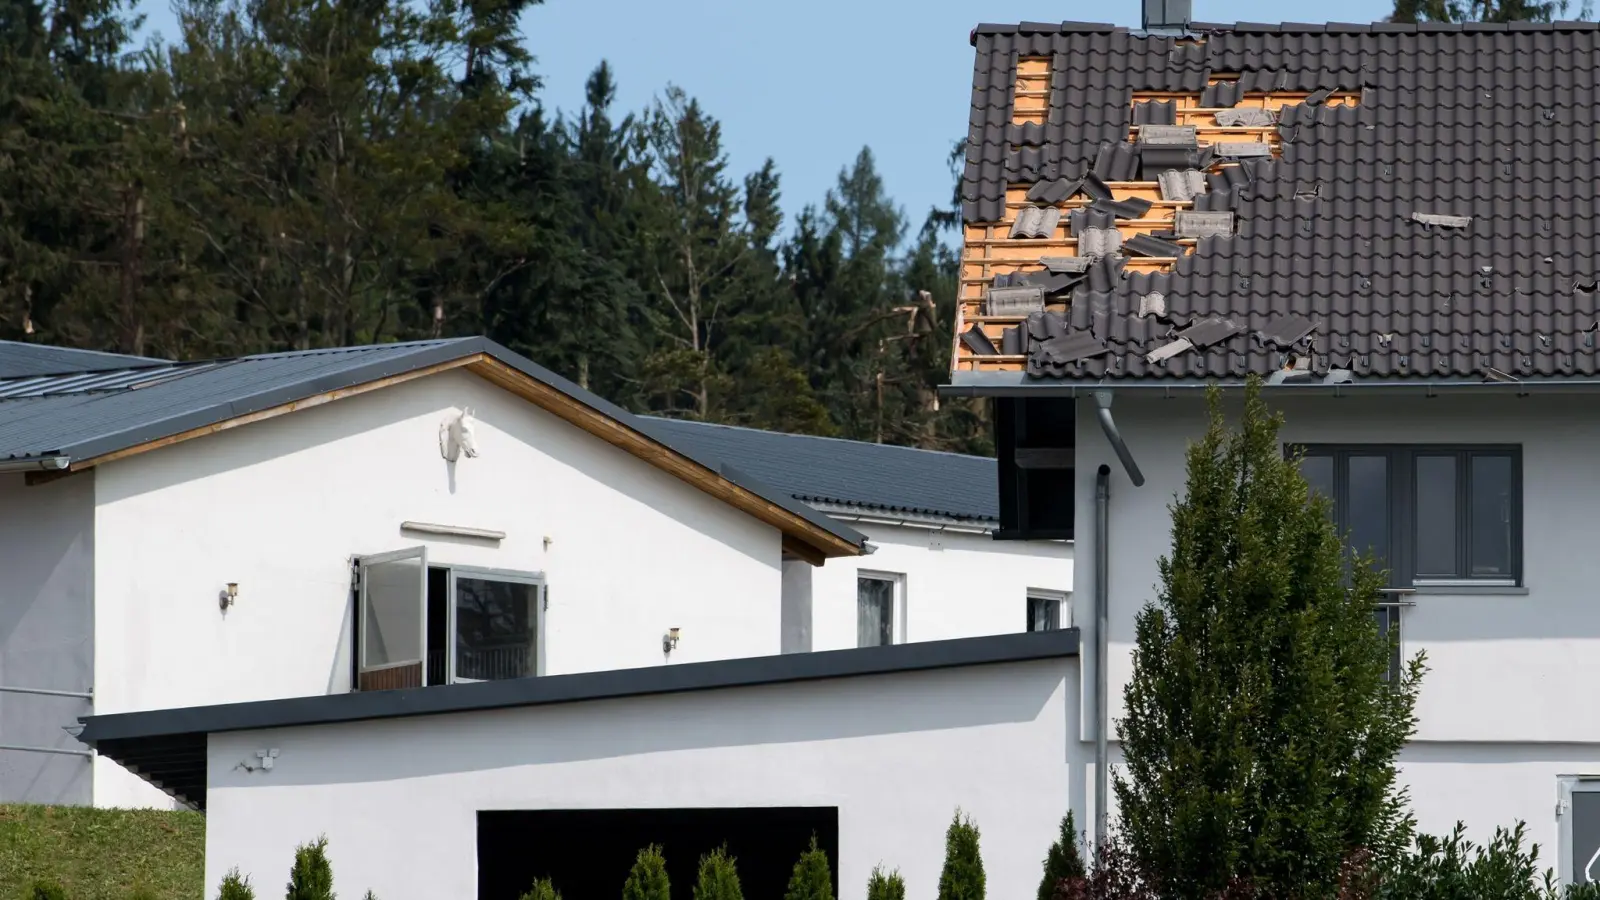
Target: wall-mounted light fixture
<point x="228" y="595"/>
<point x="669" y="641"/>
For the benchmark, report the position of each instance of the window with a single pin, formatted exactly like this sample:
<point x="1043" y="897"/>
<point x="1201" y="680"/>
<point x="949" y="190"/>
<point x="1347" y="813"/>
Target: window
<point x="1047" y="610"/>
<point x="427" y="625"/>
<point x="1431" y="515"/>
<point x="880" y="609"/>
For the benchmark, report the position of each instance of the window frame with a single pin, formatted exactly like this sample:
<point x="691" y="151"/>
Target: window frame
<point x="1566" y="786"/>
<point x="511" y="576"/>
<point x="897" y="605"/>
<point x="1063" y="607"/>
<point x="1402" y="506"/>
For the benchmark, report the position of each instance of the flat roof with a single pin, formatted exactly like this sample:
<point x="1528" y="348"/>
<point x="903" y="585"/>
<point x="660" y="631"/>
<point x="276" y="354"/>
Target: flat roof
<point x="167" y="747"/>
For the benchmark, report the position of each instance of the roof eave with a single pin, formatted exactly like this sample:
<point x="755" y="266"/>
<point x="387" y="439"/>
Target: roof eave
<point x="1018" y="384"/>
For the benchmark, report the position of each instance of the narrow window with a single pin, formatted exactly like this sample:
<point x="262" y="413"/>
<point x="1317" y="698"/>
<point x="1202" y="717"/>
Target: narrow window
<point x="1046" y="610"/>
<point x="877" y="599"/>
<point x="497" y="627"/>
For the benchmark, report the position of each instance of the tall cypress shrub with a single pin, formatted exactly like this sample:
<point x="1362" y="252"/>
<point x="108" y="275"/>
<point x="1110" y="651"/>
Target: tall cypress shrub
<point x="648" y="878"/>
<point x="235" y="887"/>
<point x="962" y="878"/>
<point x="542" y="889"/>
<point x="718" y="877"/>
<point x="312" y="875"/>
<point x="885" y="886"/>
<point x="1260" y="732"/>
<point x="1063" y="860"/>
<point x="812" y="878"/>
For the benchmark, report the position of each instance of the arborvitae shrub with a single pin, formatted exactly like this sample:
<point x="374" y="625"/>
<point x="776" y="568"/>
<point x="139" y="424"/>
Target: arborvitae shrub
<point x="812" y="879"/>
<point x="542" y="890"/>
<point x="48" y="890"/>
<point x="718" y="877"/>
<point x="648" y="878"/>
<point x="312" y="875"/>
<point x="1063" y="860"/>
<point x="235" y="887"/>
<point x="962" y="878"/>
<point x="888" y="886"/>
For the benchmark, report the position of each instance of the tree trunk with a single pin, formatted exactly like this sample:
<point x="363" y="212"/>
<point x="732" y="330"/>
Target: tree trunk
<point x="132" y="338"/>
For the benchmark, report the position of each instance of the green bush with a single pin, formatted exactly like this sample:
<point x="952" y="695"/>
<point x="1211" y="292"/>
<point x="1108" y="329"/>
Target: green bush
<point x="885" y="887"/>
<point x="812" y="879"/>
<point x="542" y="890"/>
<point x="648" y="878"/>
<point x="718" y="877"/>
<point x="1063" y="860"/>
<point x="235" y="887"/>
<point x="962" y="878"/>
<point x="312" y="875"/>
<point x="48" y="890"/>
<point x="1454" y="867"/>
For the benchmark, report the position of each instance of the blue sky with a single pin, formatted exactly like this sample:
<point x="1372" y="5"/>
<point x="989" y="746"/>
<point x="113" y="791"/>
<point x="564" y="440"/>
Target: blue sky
<point x="809" y="84"/>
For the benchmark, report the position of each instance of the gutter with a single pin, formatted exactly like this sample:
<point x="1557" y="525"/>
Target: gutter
<point x="57" y="463"/>
<point x="1102" y="529"/>
<point x="1102" y="402"/>
<point x="847" y="513"/>
<point x="1026" y="387"/>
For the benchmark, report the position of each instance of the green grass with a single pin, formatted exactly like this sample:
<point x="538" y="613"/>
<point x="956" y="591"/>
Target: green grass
<point x="102" y="854"/>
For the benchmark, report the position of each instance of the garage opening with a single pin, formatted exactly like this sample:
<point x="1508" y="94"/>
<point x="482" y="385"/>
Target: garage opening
<point x="588" y="852"/>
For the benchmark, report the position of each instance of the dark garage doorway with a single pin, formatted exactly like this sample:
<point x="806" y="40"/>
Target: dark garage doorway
<point x="588" y="852"/>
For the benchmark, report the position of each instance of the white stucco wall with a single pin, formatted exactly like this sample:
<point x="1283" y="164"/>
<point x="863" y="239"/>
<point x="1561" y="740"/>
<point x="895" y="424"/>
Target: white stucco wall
<point x="46" y="634"/>
<point x="897" y="754"/>
<point x="280" y="507"/>
<point x="1502" y="709"/>
<point x="956" y="584"/>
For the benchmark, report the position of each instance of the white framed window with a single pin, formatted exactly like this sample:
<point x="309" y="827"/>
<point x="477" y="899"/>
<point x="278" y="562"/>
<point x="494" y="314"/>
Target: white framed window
<point x="429" y="624"/>
<point x="1048" y="610"/>
<point x="880" y="609"/>
<point x="1579" y="811"/>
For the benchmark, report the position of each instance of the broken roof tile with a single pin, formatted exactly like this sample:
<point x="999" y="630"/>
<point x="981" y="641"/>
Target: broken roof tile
<point x="1069" y="349"/>
<point x="1169" y="350"/>
<point x="1247" y="117"/>
<point x="1286" y="329"/>
<point x="978" y="342"/>
<point x="1194" y="224"/>
<point x="1241" y="149"/>
<point x="1210" y="330"/>
<point x="1097" y="242"/>
<point x="1168" y="136"/>
<point x="1036" y="222"/>
<point x="1066" y="264"/>
<point x="1181" y="185"/>
<point x="1443" y="221"/>
<point x="1145" y="245"/>
<point x="1053" y="193"/>
<point x="1153" y="304"/>
<point x="1131" y="208"/>
<point x="1013" y="301"/>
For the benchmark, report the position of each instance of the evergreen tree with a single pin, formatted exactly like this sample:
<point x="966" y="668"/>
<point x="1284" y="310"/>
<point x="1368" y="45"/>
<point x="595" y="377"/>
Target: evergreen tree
<point x="885" y="886"/>
<point x="542" y="889"/>
<point x="962" y="877"/>
<point x="718" y="878"/>
<point x="1063" y="860"/>
<point x="812" y="878"/>
<point x="312" y="875"/>
<point x="647" y="880"/>
<point x="1260" y="733"/>
<point x="1414" y="11"/>
<point x="235" y="887"/>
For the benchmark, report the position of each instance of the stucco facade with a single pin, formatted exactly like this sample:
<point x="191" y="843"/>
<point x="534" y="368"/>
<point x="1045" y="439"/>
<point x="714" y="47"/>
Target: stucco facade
<point x="1501" y="714"/>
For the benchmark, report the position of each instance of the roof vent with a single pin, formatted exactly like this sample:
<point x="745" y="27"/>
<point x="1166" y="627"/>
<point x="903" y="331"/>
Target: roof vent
<point x="1166" y="15"/>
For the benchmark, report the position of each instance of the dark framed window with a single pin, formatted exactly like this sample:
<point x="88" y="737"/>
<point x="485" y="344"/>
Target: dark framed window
<point x="1046" y="610"/>
<point x="1432" y="515"/>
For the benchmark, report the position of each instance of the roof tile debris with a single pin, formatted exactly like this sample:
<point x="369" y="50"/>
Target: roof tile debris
<point x="1181" y="185"/>
<point x="1036" y="222"/>
<point x="1098" y="242"/>
<point x="1014" y="301"/>
<point x="1145" y="245"/>
<point x="1435" y="219"/>
<point x="1248" y="117"/>
<point x="1188" y="223"/>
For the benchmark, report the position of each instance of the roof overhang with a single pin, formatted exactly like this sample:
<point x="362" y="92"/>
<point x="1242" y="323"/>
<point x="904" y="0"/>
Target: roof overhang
<point x="1018" y="384"/>
<point x="168" y="747"/>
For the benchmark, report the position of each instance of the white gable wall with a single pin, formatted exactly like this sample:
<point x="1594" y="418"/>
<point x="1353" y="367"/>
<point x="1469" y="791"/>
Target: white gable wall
<point x="1501" y="713"/>
<point x="280" y="507"/>
<point x="955" y="584"/>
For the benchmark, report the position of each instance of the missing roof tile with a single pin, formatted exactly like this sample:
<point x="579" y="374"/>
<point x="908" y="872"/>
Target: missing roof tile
<point x="1189" y="223"/>
<point x="1441" y="221"/>
<point x="975" y="340"/>
<point x="1247" y="117"/>
<point x="1014" y="301"/>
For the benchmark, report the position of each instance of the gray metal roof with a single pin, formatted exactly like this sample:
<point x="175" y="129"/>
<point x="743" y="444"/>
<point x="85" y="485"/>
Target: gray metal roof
<point x="18" y="359"/>
<point x="849" y="473"/>
<point x="83" y="416"/>
<point x="167" y="746"/>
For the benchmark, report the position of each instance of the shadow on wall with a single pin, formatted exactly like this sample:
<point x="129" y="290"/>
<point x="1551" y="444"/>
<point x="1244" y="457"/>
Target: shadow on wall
<point x="739" y="717"/>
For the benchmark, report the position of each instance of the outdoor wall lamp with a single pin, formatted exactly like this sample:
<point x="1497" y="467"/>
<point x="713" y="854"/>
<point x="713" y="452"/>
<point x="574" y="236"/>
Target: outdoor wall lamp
<point x="229" y="594"/>
<point x="669" y="641"/>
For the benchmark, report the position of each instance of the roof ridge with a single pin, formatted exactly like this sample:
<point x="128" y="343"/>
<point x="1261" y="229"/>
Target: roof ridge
<point x="815" y="437"/>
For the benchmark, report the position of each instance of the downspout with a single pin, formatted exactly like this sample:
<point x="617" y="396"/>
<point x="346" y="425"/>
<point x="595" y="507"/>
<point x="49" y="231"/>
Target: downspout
<point x="1102" y="402"/>
<point x="1102" y="523"/>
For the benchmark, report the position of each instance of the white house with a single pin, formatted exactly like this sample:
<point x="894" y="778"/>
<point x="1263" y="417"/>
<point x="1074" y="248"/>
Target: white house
<point x="1366" y="217"/>
<point x="300" y="524"/>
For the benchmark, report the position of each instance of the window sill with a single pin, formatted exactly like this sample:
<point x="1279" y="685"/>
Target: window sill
<point x="1475" y="590"/>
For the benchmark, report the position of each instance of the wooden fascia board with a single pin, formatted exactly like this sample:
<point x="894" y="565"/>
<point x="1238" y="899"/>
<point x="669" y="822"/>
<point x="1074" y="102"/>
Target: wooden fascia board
<point x="272" y="412"/>
<point x="802" y="538"/>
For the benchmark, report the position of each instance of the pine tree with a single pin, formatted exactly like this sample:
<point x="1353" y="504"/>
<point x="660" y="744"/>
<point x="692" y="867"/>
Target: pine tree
<point x="718" y="878"/>
<point x="812" y="878"/>
<point x="1063" y="860"/>
<point x="235" y="887"/>
<point x="648" y="878"/>
<point x="312" y="875"/>
<point x="962" y="877"/>
<point x="1414" y="11"/>
<point x="1260" y="733"/>
<point x="542" y="889"/>
<point x="885" y="886"/>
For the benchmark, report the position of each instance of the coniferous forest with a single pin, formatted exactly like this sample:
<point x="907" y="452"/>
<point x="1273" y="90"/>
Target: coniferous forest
<point x="295" y="174"/>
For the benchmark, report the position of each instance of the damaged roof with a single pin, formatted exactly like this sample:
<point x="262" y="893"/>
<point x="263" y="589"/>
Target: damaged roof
<point x="1441" y="226"/>
<point x="870" y="477"/>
